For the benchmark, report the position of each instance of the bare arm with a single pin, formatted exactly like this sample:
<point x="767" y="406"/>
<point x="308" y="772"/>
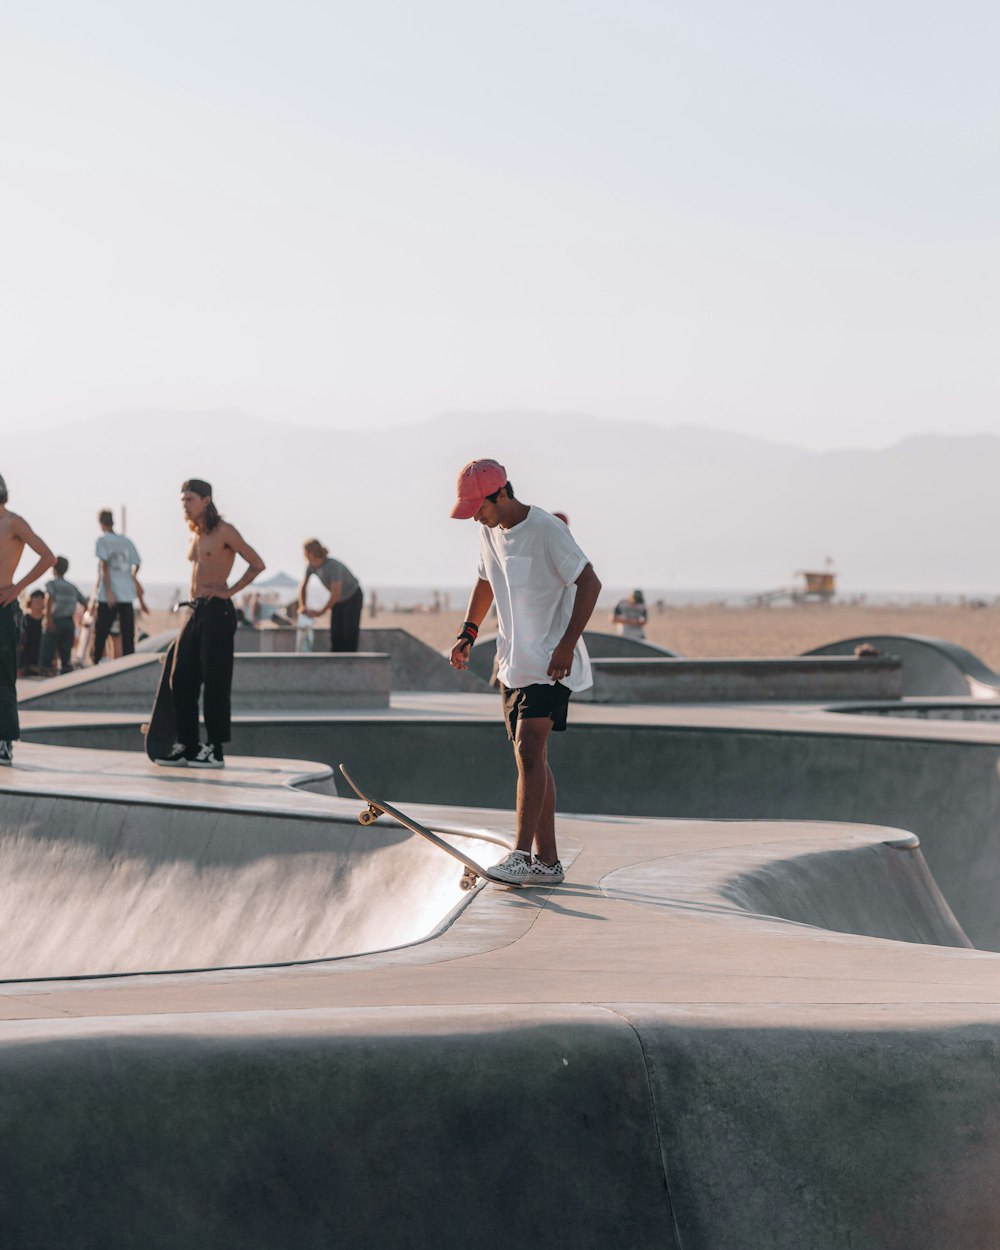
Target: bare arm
<point x="588" y="587"/>
<point x="479" y="604"/>
<point x="25" y="534"/>
<point x="335" y="590"/>
<point x="255" y="565"/>
<point x="302" y="592"/>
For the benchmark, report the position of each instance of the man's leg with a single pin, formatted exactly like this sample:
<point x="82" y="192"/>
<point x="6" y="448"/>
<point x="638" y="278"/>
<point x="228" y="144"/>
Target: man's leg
<point x="185" y="680"/>
<point x="536" y="789"/>
<point x="47" y="651"/>
<point x="102" y="627"/>
<point x="10" y="636"/>
<point x="345" y="623"/>
<point x="126" y="618"/>
<point x="217" y="668"/>
<point x="65" y="633"/>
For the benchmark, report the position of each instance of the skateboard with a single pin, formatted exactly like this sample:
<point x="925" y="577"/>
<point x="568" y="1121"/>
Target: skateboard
<point x="376" y="807"/>
<point x="161" y="729"/>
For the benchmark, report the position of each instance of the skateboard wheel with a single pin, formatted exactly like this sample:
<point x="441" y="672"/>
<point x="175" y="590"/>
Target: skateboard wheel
<point x="468" y="881"/>
<point x="367" y="818"/>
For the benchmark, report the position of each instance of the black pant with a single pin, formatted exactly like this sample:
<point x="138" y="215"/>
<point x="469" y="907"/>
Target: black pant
<point x="345" y="622"/>
<point x="105" y="618"/>
<point x="61" y="640"/>
<point x="10" y="637"/>
<point x="204" y="659"/>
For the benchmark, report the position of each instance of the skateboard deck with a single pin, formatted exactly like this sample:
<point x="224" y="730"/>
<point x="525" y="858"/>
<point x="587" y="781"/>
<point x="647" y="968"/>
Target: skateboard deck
<point x="375" y="809"/>
<point x="161" y="729"/>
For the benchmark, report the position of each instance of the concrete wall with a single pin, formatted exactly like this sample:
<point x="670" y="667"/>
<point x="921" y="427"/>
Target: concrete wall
<point x="260" y="683"/>
<point x="599" y="643"/>
<point x="727" y="681"/>
<point x="932" y="667"/>
<point x="658" y="1128"/>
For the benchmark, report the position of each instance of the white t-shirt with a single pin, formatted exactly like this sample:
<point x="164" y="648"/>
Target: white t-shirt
<point x="120" y="554"/>
<point x="532" y="568"/>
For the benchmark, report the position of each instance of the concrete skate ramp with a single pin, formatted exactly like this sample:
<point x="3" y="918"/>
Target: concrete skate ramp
<point x="260" y="682"/>
<point x="932" y="667"/>
<point x="98" y="886"/>
<point x="855" y="879"/>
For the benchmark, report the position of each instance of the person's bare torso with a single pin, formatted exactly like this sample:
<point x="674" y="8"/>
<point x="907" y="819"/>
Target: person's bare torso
<point x="11" y="546"/>
<point x="212" y="557"/>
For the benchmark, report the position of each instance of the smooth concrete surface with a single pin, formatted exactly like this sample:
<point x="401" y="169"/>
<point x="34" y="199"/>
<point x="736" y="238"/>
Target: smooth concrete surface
<point x="110" y="865"/>
<point x="719" y="1032"/>
<point x="748" y="680"/>
<point x="260" y="682"/>
<point x="940" y="780"/>
<point x="687" y="1069"/>
<point x="931" y="666"/>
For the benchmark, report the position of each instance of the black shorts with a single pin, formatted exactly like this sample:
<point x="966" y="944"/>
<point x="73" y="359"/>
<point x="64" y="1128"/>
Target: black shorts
<point x="531" y="702"/>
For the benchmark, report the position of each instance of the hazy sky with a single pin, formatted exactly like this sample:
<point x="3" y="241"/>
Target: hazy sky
<point x="777" y="217"/>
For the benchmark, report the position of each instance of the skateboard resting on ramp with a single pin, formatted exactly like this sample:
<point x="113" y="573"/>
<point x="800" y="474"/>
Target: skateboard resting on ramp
<point x="376" y="807"/>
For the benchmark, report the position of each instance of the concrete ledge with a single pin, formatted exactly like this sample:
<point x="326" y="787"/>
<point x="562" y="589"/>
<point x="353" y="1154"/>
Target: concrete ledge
<point x="599" y="644"/>
<point x="414" y="665"/>
<point x="385" y="1128"/>
<point x="260" y="683"/>
<point x="722" y="681"/>
<point x="932" y="667"/>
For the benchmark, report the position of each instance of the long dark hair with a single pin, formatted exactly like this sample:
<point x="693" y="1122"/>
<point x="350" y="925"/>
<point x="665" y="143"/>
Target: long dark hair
<point x="208" y="520"/>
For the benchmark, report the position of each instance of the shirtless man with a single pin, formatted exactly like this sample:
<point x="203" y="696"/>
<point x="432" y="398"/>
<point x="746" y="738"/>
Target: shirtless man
<point x="15" y="535"/>
<point x="203" y="657"/>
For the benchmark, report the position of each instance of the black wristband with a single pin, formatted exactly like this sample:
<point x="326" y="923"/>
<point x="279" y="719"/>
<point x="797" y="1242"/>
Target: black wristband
<point x="469" y="632"/>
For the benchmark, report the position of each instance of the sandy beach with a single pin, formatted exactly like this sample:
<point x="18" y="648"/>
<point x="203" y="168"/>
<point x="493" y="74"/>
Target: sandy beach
<point x="741" y="631"/>
<point x="714" y="631"/>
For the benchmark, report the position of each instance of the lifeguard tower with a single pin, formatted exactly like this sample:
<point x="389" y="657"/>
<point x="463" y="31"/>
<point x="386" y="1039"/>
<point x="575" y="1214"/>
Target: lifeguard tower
<point x="814" y="587"/>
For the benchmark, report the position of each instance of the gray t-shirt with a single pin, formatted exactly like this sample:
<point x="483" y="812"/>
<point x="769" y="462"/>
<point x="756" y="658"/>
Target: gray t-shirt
<point x="332" y="571"/>
<point x="64" y="595"/>
<point x="121" y="555"/>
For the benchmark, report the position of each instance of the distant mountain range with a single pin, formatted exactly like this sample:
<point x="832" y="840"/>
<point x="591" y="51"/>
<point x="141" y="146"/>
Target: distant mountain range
<point x="676" y="506"/>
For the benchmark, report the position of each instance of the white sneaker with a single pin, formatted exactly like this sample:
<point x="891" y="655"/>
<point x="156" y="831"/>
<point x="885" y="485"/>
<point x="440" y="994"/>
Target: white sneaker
<point x="545" y="874"/>
<point x="176" y="757"/>
<point x="6" y="752"/>
<point x="514" y="869"/>
<point x="209" y="756"/>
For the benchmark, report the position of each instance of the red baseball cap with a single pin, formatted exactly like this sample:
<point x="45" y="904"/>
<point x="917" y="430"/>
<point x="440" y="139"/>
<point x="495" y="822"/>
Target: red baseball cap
<point x="478" y="479"/>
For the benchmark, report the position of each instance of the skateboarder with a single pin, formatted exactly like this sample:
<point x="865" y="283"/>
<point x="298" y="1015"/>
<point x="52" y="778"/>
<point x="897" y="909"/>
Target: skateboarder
<point x="15" y="535"/>
<point x="545" y="590"/>
<point x="204" y="650"/>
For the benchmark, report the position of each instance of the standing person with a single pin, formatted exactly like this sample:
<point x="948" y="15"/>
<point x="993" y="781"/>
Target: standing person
<point x="117" y="566"/>
<point x="61" y="599"/>
<point x="545" y="590"/>
<point x="33" y="619"/>
<point x="630" y="616"/>
<point x="345" y="598"/>
<point x="203" y="655"/>
<point x="15" y="535"/>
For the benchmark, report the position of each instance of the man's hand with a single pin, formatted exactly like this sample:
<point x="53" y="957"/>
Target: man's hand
<point x="460" y="653"/>
<point x="112" y="599"/>
<point x="7" y="595"/>
<point x="561" y="662"/>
